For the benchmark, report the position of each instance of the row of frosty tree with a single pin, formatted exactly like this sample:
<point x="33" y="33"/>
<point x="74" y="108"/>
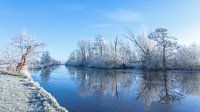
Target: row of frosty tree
<point x="154" y="51"/>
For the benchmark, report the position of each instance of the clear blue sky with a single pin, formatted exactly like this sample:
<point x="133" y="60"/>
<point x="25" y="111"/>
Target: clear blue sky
<point x="61" y="23"/>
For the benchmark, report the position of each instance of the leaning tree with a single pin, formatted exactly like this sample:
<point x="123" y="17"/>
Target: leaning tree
<point x="145" y="45"/>
<point x="26" y="47"/>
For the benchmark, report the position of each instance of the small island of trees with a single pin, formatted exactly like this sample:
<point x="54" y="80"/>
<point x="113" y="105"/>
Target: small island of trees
<point x="157" y="50"/>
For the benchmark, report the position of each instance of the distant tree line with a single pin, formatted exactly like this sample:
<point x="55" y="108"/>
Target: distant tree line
<point x="157" y="50"/>
<point x="45" y="61"/>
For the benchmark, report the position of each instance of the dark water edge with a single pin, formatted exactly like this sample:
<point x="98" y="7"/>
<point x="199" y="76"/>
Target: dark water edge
<point x="125" y="67"/>
<point x="97" y="90"/>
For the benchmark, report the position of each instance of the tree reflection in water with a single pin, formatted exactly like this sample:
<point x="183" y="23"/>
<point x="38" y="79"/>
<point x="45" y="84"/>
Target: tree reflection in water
<point x="102" y="82"/>
<point x="158" y="86"/>
<point x="46" y="72"/>
<point x="146" y="87"/>
<point x="163" y="87"/>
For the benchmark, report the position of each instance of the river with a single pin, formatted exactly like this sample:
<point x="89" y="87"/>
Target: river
<point x="95" y="90"/>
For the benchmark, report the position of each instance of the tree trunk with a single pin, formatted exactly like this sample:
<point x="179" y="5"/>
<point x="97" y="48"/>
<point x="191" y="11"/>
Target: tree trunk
<point x="116" y="42"/>
<point x="115" y="48"/>
<point x="23" y="60"/>
<point x="101" y="50"/>
<point x="164" y="59"/>
<point x="21" y="64"/>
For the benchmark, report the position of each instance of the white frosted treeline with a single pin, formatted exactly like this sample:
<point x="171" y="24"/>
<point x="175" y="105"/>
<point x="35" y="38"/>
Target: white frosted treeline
<point x="158" y="50"/>
<point x="102" y="53"/>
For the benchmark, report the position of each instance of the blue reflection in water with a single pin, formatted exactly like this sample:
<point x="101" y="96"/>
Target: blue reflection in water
<point x="94" y="90"/>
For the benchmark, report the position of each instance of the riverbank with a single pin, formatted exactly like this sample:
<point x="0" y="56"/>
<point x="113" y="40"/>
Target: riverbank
<point x="22" y="94"/>
<point x="133" y="68"/>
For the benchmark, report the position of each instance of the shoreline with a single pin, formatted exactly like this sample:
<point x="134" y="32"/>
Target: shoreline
<point x="20" y="93"/>
<point x="133" y="68"/>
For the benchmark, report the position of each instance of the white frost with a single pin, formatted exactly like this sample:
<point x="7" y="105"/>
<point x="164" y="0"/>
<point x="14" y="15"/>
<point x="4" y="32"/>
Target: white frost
<point x="22" y="94"/>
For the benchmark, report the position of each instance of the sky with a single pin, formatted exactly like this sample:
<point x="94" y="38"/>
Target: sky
<point x="61" y="23"/>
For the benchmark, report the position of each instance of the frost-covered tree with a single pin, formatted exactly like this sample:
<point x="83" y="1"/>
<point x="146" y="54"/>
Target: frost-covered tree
<point x="82" y="46"/>
<point x="144" y="46"/>
<point x="22" y="50"/>
<point x="46" y="60"/>
<point x="188" y="57"/>
<point x="27" y="46"/>
<point x="9" y="57"/>
<point x="101" y="53"/>
<point x="157" y="50"/>
<point x="89" y="48"/>
<point x="99" y="45"/>
<point x="126" y="53"/>
<point x="116" y="43"/>
<point x="165" y="42"/>
<point x="72" y="56"/>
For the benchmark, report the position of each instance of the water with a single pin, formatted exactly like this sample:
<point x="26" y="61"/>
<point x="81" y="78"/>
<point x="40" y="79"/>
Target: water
<point x="93" y="90"/>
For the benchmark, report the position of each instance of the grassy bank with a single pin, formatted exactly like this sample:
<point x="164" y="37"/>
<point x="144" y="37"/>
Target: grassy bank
<point x="22" y="94"/>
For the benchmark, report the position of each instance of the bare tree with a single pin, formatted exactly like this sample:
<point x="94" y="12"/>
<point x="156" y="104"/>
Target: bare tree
<point x="166" y="42"/>
<point x="116" y="42"/>
<point x="82" y="45"/>
<point x="125" y="52"/>
<point x="72" y="56"/>
<point x="89" y="49"/>
<point x="46" y="60"/>
<point x="9" y="57"/>
<point x="145" y="45"/>
<point x="24" y="48"/>
<point x="188" y="57"/>
<point x="99" y="44"/>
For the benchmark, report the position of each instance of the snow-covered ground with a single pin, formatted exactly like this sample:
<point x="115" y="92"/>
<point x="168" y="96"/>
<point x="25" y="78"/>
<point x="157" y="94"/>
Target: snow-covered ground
<point x="21" y="94"/>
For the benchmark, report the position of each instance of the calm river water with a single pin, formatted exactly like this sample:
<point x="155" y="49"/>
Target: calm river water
<point x="94" y="90"/>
